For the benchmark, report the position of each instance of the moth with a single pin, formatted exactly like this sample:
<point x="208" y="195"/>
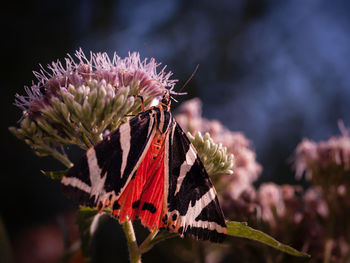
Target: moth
<point x="148" y="168"/>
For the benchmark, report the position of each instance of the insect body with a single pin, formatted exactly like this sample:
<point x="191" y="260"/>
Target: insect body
<point x="148" y="168"/>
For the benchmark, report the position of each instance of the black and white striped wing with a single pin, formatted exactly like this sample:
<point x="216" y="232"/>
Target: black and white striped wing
<point x="101" y="175"/>
<point x="192" y="203"/>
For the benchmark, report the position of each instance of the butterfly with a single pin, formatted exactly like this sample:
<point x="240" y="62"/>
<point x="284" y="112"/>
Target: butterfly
<point x="148" y="169"/>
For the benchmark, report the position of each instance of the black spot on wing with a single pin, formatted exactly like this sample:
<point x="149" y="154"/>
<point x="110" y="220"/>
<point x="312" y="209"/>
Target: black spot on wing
<point x="149" y="207"/>
<point x="136" y="204"/>
<point x="116" y="205"/>
<point x="212" y="213"/>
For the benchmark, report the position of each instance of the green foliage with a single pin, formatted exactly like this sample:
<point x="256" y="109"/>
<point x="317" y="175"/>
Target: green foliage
<point x="241" y="229"/>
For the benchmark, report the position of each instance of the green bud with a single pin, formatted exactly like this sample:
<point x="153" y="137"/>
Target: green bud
<point x="92" y="98"/>
<point x="65" y="112"/>
<point x="213" y="156"/>
<point x="86" y="109"/>
<point x="17" y="132"/>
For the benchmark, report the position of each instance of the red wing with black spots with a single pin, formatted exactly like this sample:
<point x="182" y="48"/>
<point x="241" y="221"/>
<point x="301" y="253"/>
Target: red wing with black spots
<point x="147" y="168"/>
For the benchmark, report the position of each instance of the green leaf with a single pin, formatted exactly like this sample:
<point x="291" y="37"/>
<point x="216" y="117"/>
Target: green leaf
<point x="241" y="229"/>
<point x="55" y="175"/>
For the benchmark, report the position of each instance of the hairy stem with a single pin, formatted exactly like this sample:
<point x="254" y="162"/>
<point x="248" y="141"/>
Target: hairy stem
<point x="134" y="253"/>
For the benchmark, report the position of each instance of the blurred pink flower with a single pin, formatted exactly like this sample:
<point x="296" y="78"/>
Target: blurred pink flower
<point x="246" y="168"/>
<point x="270" y="198"/>
<point x="306" y="155"/>
<point x="326" y="165"/>
<point x="314" y="203"/>
<point x="291" y="195"/>
<point x="236" y="190"/>
<point x="321" y="159"/>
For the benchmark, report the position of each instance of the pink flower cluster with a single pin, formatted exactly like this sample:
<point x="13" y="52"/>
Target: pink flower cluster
<point x="312" y="157"/>
<point x="118" y="72"/>
<point x="313" y="220"/>
<point x="246" y="169"/>
<point x="237" y="187"/>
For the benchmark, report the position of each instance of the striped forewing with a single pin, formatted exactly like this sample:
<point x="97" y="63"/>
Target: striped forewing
<point x="190" y="205"/>
<point x="193" y="206"/>
<point x="105" y="170"/>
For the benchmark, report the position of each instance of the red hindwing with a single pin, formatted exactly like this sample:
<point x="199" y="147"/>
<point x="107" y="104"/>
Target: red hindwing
<point x="143" y="197"/>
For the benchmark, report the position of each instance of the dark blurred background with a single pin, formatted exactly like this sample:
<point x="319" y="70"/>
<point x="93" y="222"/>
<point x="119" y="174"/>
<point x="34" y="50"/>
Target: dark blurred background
<point x="276" y="70"/>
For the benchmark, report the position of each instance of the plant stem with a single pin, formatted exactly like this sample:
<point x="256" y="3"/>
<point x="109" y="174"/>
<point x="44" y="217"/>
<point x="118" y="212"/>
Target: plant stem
<point x="327" y="250"/>
<point x="134" y="253"/>
<point x="146" y="244"/>
<point x="86" y="141"/>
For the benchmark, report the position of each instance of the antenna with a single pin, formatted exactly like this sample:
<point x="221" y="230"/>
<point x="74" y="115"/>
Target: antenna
<point x="149" y="50"/>
<point x="192" y="75"/>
